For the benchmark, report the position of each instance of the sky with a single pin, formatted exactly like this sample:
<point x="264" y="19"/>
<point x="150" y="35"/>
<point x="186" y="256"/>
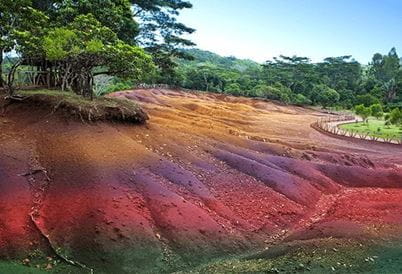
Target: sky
<point x="262" y="29"/>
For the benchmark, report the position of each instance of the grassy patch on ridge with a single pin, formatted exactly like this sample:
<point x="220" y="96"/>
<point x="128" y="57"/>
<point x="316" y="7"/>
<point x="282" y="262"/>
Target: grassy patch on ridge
<point x="100" y="108"/>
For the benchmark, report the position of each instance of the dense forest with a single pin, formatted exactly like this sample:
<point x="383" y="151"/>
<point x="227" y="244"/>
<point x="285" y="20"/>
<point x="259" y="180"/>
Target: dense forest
<point x="96" y="47"/>
<point x="337" y="81"/>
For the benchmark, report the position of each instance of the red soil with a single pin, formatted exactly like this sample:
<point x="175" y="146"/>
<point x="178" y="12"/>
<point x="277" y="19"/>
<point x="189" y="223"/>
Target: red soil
<point x="208" y="175"/>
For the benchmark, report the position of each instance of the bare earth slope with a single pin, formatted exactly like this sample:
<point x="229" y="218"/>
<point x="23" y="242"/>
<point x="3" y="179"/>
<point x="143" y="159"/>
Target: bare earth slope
<point x="208" y="176"/>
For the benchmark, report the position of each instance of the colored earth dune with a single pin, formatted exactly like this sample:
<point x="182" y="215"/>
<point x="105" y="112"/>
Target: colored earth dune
<point x="211" y="183"/>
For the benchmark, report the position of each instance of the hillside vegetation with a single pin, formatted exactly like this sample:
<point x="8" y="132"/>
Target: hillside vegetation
<point x="336" y="81"/>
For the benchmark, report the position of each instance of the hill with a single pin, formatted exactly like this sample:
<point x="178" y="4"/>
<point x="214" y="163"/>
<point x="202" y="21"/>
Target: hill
<point x="230" y="63"/>
<point x="209" y="177"/>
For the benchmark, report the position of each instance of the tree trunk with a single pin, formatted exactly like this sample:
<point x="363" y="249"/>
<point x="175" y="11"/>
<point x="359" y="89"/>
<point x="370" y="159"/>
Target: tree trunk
<point x="11" y="76"/>
<point x="91" y="86"/>
<point x="206" y="82"/>
<point x="1" y="68"/>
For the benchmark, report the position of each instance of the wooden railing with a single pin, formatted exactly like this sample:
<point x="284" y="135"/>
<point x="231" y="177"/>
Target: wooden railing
<point x="331" y="125"/>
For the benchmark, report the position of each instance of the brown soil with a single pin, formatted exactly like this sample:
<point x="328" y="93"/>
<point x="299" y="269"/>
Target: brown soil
<point x="208" y="175"/>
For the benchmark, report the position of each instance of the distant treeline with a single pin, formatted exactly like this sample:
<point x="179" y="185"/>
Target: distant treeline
<point x="337" y="81"/>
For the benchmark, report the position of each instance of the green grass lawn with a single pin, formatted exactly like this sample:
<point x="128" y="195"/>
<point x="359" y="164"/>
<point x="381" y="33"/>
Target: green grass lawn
<point x="375" y="128"/>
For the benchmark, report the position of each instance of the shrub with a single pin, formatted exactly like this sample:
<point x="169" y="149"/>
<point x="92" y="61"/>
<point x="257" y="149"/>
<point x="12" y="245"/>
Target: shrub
<point x="367" y="100"/>
<point x="377" y="111"/>
<point x="395" y="117"/>
<point x="325" y="95"/>
<point x="364" y="112"/>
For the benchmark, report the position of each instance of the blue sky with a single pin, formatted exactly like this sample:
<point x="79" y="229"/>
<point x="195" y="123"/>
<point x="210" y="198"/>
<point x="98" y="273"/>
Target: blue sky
<point x="262" y="29"/>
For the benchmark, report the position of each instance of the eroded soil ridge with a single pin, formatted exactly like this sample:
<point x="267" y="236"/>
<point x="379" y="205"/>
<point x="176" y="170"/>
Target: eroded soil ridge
<point x="208" y="176"/>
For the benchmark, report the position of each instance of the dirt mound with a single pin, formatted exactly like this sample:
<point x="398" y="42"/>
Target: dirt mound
<point x="208" y="176"/>
<point x="74" y="106"/>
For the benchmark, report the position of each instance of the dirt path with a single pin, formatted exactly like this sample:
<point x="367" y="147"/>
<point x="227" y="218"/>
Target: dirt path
<point x="208" y="176"/>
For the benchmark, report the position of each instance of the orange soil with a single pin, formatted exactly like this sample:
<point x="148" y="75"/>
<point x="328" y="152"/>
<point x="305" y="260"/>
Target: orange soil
<point x="208" y="175"/>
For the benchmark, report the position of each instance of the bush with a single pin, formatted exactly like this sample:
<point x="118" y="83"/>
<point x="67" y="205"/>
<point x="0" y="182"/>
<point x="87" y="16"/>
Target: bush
<point x="363" y="111"/>
<point x="395" y="117"/>
<point x="276" y="92"/>
<point x="325" y="96"/>
<point x="367" y="100"/>
<point x="301" y="100"/>
<point x="234" y="89"/>
<point x="377" y="111"/>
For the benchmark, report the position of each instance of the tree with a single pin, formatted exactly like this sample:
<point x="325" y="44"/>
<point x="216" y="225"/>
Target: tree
<point x="295" y="73"/>
<point x="15" y="16"/>
<point x="234" y="88"/>
<point x="300" y="100"/>
<point x="395" y="117"/>
<point x="276" y="92"/>
<point x="161" y="33"/>
<point x="377" y="111"/>
<point x="116" y="15"/>
<point x="325" y="95"/>
<point x="366" y="113"/>
<point x="367" y="100"/>
<point x="84" y="45"/>
<point x="386" y="69"/>
<point x="22" y="31"/>
<point x="363" y="111"/>
<point x="340" y="73"/>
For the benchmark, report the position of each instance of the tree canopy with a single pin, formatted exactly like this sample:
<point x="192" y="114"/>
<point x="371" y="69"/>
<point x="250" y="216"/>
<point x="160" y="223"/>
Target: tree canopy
<point x="336" y="81"/>
<point x="74" y="40"/>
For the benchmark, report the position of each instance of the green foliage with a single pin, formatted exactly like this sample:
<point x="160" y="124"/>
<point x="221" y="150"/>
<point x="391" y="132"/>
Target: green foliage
<point x="395" y="117"/>
<point x="128" y="62"/>
<point x="325" y="95"/>
<point x="115" y="15"/>
<point x="377" y="128"/>
<point x="60" y="43"/>
<point x="233" y="88"/>
<point x="306" y="83"/>
<point x="337" y="81"/>
<point x="119" y="85"/>
<point x="363" y="111"/>
<point x="12" y="17"/>
<point x="377" y="111"/>
<point x="301" y="100"/>
<point x="83" y="37"/>
<point x="367" y="100"/>
<point x="85" y="44"/>
<point x="278" y="92"/>
<point x="161" y="33"/>
<point x="387" y="72"/>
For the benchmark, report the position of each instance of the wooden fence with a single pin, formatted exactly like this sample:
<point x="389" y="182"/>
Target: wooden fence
<point x="331" y="125"/>
<point x="27" y="78"/>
